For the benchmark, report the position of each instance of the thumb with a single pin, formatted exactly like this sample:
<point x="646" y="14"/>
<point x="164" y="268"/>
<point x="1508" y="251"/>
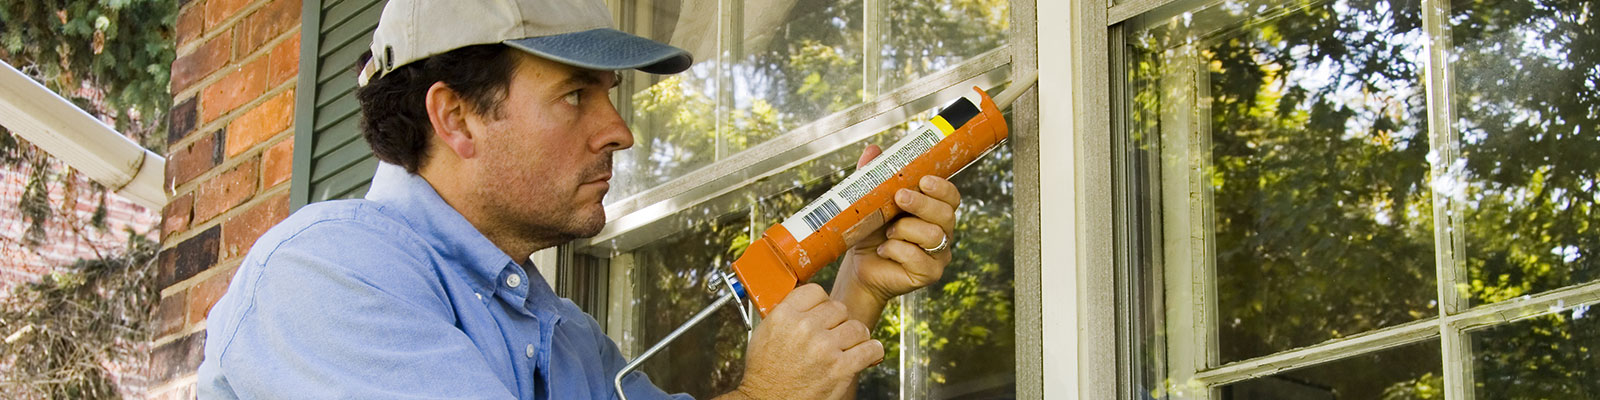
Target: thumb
<point x="872" y="151"/>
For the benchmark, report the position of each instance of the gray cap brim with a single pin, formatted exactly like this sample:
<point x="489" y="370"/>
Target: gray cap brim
<point x="607" y="49"/>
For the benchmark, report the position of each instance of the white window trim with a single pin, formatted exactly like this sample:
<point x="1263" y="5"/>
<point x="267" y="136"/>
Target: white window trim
<point x="1075" y="240"/>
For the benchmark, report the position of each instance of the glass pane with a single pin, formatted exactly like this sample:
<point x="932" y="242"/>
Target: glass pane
<point x="799" y="60"/>
<point x="1549" y="357"/>
<point x="1294" y="144"/>
<point x="673" y="117"/>
<point x="960" y="331"/>
<point x="1409" y="372"/>
<point x="926" y="36"/>
<point x="1527" y="101"/>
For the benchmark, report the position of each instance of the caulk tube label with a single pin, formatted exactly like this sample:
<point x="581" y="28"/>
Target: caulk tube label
<point x="858" y="184"/>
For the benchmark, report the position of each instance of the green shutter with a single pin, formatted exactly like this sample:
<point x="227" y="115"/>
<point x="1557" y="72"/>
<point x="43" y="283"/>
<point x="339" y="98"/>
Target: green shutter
<point x="331" y="161"/>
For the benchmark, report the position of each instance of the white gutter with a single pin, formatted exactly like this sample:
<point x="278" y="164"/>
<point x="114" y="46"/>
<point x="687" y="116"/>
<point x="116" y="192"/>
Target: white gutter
<point x="62" y="129"/>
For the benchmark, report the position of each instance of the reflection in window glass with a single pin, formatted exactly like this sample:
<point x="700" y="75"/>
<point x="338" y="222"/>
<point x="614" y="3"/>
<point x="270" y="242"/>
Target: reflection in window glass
<point x="925" y="36"/>
<point x="800" y="61"/>
<point x="1527" y="101"/>
<point x="1407" y="372"/>
<point x="1556" y="356"/>
<point x="1299" y="147"/>
<point x="673" y="117"/>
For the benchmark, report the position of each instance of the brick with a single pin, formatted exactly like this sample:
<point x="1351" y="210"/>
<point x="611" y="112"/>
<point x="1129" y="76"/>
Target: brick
<point x="222" y="193"/>
<point x="190" y="161"/>
<point x="191" y="23"/>
<point x="277" y="165"/>
<point x="284" y="61"/>
<point x="267" y="22"/>
<point x="205" y="59"/>
<point x="261" y="123"/>
<point x="190" y="257"/>
<point x="240" y="86"/>
<point x="203" y="295"/>
<point x="180" y="121"/>
<point x="220" y="10"/>
<point x="169" y="318"/>
<point x="241" y="231"/>
<point x="175" y="216"/>
<point x="178" y="358"/>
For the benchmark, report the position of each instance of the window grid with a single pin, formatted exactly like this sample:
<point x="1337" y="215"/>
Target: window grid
<point x="1191" y="256"/>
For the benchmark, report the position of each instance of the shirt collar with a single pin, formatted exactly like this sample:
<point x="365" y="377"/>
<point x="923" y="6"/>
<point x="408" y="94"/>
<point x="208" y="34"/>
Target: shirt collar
<point x="414" y="200"/>
<point x="487" y="268"/>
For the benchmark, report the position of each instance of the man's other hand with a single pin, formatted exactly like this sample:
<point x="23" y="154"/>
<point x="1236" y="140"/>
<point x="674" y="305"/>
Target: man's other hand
<point x="894" y="261"/>
<point x="807" y="348"/>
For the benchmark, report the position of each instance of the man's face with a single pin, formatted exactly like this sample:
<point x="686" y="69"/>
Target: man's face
<point x="545" y="162"/>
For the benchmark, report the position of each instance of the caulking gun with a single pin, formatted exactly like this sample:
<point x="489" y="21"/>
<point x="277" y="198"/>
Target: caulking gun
<point x="792" y="251"/>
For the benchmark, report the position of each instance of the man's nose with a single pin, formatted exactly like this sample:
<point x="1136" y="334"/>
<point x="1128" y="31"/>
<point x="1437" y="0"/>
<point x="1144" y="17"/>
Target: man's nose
<point x="613" y="134"/>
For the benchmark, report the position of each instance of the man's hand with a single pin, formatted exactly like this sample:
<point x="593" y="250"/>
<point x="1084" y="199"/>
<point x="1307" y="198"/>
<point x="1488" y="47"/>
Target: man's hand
<point x="892" y="261"/>
<point x="807" y="348"/>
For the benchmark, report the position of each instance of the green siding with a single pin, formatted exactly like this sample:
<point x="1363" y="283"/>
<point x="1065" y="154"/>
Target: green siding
<point x="331" y="161"/>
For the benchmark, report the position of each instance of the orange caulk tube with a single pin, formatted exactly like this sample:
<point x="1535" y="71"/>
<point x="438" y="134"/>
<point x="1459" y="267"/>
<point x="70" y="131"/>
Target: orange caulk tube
<point x="791" y="252"/>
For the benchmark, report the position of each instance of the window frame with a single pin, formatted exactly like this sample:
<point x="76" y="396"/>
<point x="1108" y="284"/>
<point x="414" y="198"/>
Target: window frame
<point x="1453" y="325"/>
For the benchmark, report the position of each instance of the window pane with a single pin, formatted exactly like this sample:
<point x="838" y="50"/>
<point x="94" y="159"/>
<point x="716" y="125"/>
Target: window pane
<point x="1527" y="100"/>
<point x="926" y="36"/>
<point x="673" y="117"/>
<point x="1408" y="372"/>
<point x="1549" y="357"/>
<point x="1294" y="145"/>
<point x="799" y="60"/>
<point x="962" y="328"/>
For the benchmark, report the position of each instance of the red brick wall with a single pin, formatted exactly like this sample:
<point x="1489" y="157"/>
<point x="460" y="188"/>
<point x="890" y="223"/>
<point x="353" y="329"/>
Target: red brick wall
<point x="231" y="151"/>
<point x="20" y="263"/>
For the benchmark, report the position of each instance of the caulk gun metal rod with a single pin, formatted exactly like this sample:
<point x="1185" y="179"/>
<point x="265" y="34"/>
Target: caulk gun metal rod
<point x="695" y="320"/>
<point x="1018" y="86"/>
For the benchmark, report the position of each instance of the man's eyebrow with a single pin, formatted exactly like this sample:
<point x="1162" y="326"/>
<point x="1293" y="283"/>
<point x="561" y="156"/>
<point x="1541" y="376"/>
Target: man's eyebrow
<point x="590" y="78"/>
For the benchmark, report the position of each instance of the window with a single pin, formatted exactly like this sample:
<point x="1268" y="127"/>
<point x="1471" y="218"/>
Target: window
<point x="780" y="101"/>
<point x="1360" y="198"/>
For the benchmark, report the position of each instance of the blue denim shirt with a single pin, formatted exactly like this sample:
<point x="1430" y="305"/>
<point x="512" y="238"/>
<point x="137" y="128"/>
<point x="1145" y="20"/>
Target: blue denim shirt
<point x="398" y="297"/>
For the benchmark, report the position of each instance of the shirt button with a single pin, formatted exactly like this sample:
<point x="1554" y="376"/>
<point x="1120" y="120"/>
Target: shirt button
<point x="514" y="280"/>
<point x="530" y="349"/>
<point x="480" y="295"/>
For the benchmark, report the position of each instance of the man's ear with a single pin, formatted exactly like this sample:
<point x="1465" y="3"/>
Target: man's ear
<point x="448" y="113"/>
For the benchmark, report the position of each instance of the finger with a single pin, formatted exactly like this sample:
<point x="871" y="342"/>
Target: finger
<point x="918" y="231"/>
<point x="872" y="151"/>
<point x="828" y="314"/>
<point x="921" y="268"/>
<point x="849" y="334"/>
<point x="940" y="188"/>
<point x="926" y="207"/>
<point x="801" y="299"/>
<point x="862" y="356"/>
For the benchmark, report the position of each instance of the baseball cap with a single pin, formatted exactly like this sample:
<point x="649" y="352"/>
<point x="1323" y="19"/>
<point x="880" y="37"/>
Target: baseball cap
<point x="573" y="32"/>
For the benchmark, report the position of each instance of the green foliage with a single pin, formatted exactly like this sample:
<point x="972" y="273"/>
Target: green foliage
<point x="63" y="332"/>
<point x="121" y="51"/>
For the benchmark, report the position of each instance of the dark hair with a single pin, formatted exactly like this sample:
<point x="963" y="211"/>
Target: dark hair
<point x="394" y="117"/>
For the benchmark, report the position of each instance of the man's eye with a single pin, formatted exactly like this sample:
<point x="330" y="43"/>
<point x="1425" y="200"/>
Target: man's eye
<point x="572" y="98"/>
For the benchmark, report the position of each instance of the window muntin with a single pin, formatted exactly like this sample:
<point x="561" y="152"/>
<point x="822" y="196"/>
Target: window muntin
<point x="1407" y="372"/>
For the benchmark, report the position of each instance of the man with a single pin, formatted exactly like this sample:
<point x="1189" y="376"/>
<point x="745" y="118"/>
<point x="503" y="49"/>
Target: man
<point x="493" y="122"/>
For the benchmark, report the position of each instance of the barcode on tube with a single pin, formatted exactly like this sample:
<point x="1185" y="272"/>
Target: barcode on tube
<point x="892" y="164"/>
<point x="824" y="212"/>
